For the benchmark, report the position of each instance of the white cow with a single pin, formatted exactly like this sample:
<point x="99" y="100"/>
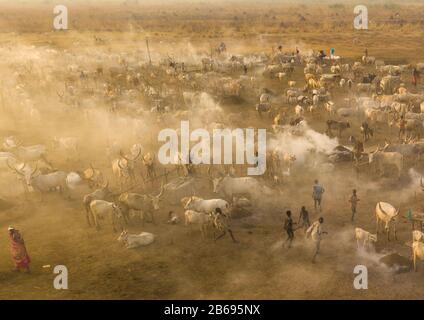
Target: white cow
<point x="376" y="116"/>
<point x="385" y="212"/>
<point x="364" y="238"/>
<point x="100" y="209"/>
<point x="31" y="153"/>
<point x="382" y="160"/>
<point x="230" y="186"/>
<point x="75" y="181"/>
<point x="132" y="241"/>
<point x="330" y="107"/>
<point x="200" y="218"/>
<point x="42" y="182"/>
<point x="299" y="110"/>
<point x="206" y="206"/>
<point x="417" y="251"/>
<point x="417" y="235"/>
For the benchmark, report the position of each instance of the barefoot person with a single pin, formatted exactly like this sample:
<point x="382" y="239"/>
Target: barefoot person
<point x="19" y="253"/>
<point x="317" y="192"/>
<point x="315" y="232"/>
<point x="288" y="227"/>
<point x="415" y="77"/>
<point x="221" y="223"/>
<point x="353" y="203"/>
<point x="304" y="218"/>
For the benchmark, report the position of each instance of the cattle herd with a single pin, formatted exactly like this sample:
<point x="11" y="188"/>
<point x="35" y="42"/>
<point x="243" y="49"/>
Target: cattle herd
<point x="82" y="129"/>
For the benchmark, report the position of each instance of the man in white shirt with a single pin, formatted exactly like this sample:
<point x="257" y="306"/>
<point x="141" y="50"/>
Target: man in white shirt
<point x="315" y="231"/>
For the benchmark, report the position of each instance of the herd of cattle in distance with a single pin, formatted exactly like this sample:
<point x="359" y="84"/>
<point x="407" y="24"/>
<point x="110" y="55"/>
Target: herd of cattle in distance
<point x="311" y="87"/>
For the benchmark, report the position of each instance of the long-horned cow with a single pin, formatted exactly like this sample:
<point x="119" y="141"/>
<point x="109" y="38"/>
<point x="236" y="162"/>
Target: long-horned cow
<point x="93" y="176"/>
<point x="206" y="206"/>
<point x="382" y="159"/>
<point x="202" y="219"/>
<point x="123" y="168"/>
<point x="140" y="202"/>
<point x="386" y="213"/>
<point x="98" y="194"/>
<point x="101" y="209"/>
<point x="30" y="153"/>
<point x="43" y="182"/>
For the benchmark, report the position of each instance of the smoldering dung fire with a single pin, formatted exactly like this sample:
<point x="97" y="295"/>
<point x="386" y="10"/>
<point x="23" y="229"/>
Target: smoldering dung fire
<point x="81" y="165"/>
<point x="301" y="141"/>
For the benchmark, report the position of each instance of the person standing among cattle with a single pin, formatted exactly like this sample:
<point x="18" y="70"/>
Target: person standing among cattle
<point x="317" y="192"/>
<point x="415" y="77"/>
<point x="353" y="203"/>
<point x="221" y="223"/>
<point x="288" y="227"/>
<point x="315" y="232"/>
<point x="402" y="127"/>
<point x="304" y="217"/>
<point x="19" y="252"/>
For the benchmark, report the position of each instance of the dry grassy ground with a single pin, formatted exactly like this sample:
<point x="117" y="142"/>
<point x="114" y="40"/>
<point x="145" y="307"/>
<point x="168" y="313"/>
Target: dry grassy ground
<point x="179" y="265"/>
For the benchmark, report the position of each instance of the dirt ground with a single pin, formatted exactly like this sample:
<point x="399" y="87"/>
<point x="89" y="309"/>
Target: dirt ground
<point x="180" y="264"/>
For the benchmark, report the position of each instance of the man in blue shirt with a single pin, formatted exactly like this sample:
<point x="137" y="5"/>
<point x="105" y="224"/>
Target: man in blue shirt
<point x="317" y="192"/>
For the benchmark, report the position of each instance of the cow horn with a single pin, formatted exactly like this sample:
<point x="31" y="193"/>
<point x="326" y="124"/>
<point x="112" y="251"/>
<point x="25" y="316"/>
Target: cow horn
<point x="162" y="189"/>
<point x="36" y="168"/>
<point x="138" y="154"/>
<point x="379" y="206"/>
<point x="123" y="156"/>
<point x="23" y="167"/>
<point x="119" y="164"/>
<point x="92" y="172"/>
<point x="210" y="177"/>
<point x="14" y="169"/>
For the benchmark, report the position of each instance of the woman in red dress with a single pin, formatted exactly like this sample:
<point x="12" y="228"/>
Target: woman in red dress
<point x="19" y="253"/>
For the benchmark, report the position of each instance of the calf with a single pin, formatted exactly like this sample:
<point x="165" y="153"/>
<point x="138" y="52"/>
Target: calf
<point x="364" y="237"/>
<point x="98" y="194"/>
<point x="200" y="218"/>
